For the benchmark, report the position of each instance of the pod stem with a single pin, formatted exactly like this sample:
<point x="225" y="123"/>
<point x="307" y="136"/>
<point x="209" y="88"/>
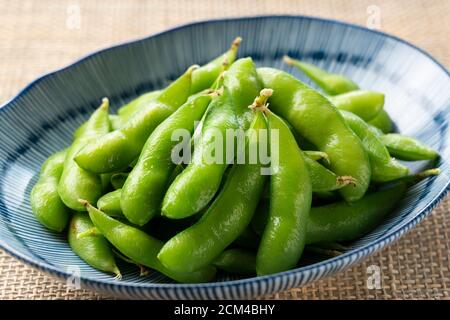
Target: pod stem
<point x="236" y="42"/>
<point x="415" y="178"/>
<point x="288" y="60"/>
<point x="260" y="102"/>
<point x="105" y="103"/>
<point x="346" y="180"/>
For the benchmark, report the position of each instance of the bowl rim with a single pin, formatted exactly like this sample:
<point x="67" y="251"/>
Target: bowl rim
<point x="352" y="256"/>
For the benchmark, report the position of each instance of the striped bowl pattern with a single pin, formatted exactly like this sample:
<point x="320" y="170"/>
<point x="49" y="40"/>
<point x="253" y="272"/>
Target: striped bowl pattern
<point x="41" y="118"/>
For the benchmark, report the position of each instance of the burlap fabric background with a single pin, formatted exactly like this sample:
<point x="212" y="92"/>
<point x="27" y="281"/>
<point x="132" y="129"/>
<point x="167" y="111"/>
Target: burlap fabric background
<point x="40" y="36"/>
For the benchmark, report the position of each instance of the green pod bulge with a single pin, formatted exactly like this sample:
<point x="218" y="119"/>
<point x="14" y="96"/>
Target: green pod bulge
<point x="110" y="204"/>
<point x="77" y="183"/>
<point x="94" y="249"/>
<point x="317" y="120"/>
<point x="146" y="184"/>
<point x="225" y="219"/>
<point x="125" y="112"/>
<point x="407" y="148"/>
<point x="331" y="83"/>
<point x="113" y="119"/>
<point x="382" y="121"/>
<point x="45" y="202"/>
<point x="365" y="104"/>
<point x="283" y="239"/>
<point x="116" y="150"/>
<point x="323" y="179"/>
<point x="195" y="187"/>
<point x="237" y="261"/>
<point x="384" y="168"/>
<point x="141" y="248"/>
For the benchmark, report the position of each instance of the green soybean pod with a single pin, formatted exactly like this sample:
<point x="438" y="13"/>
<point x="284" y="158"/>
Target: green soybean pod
<point x="366" y="104"/>
<point x="283" y="239"/>
<point x="331" y="83"/>
<point x="117" y="149"/>
<point x="45" y="202"/>
<point x="407" y="148"/>
<point x="77" y="183"/>
<point x="382" y="121"/>
<point x="237" y="261"/>
<point x="384" y="168"/>
<point x="94" y="249"/>
<point x="146" y="184"/>
<point x="342" y="221"/>
<point x="110" y="204"/>
<point x="225" y="219"/>
<point x="316" y="119"/>
<point x="140" y="247"/>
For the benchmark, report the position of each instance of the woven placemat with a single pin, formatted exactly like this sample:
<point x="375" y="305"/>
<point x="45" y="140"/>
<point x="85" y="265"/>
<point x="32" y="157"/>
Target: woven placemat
<point x="42" y="35"/>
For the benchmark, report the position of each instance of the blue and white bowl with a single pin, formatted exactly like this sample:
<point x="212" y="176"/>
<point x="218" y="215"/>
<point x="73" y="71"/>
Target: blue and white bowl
<point x="41" y="118"/>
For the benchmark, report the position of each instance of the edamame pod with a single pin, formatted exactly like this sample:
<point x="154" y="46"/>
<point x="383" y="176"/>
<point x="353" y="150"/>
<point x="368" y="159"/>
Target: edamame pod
<point x="204" y="77"/>
<point x="146" y="184"/>
<point x="75" y="182"/>
<point x="315" y="118"/>
<point x="342" y="221"/>
<point x="116" y="150"/>
<point x="141" y="247"/>
<point x="195" y="187"/>
<point x="94" y="249"/>
<point x="384" y="168"/>
<point x="365" y="104"/>
<point x="331" y="83"/>
<point x="283" y="239"/>
<point x="407" y="148"/>
<point x="45" y="202"/>
<point x="225" y="219"/>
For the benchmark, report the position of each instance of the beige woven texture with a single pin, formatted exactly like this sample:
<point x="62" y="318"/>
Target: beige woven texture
<point x="39" y="36"/>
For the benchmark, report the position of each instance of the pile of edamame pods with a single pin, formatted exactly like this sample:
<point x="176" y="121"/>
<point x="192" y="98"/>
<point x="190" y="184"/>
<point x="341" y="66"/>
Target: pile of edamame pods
<point x="119" y="194"/>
